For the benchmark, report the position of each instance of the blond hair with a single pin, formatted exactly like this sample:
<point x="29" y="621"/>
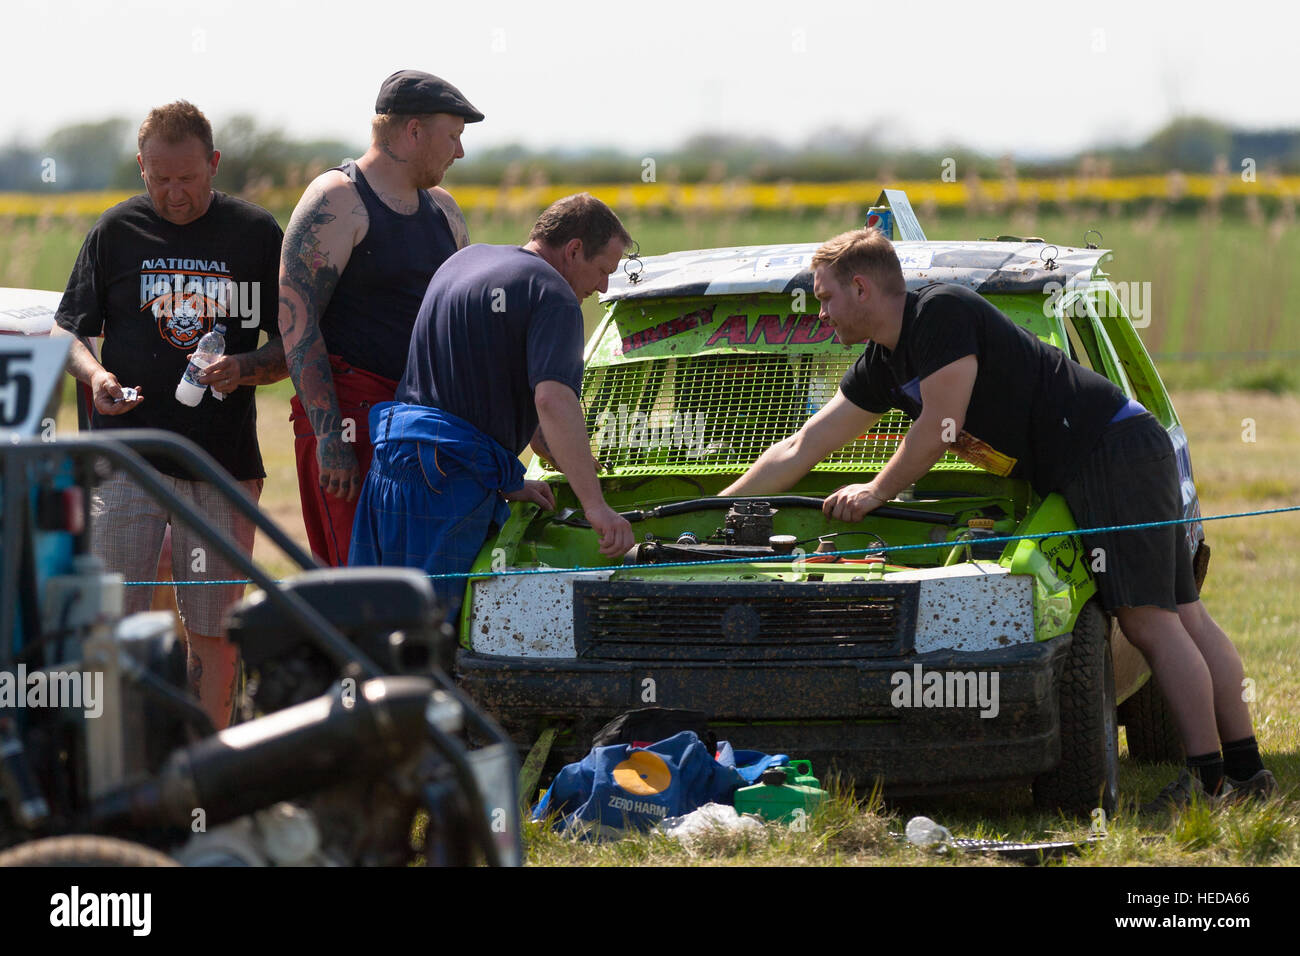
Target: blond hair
<point x="385" y="125"/>
<point x="864" y="252"/>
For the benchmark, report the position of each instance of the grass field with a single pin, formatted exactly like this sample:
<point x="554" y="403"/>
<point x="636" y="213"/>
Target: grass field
<point x="1217" y="286"/>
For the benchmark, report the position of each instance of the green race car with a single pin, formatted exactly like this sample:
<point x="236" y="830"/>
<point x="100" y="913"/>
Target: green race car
<point x="947" y="661"/>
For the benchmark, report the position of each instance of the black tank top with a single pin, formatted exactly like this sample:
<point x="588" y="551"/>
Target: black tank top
<point x="369" y="317"/>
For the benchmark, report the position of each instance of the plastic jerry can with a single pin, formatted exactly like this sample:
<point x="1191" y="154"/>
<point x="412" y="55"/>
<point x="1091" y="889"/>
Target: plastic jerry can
<point x="781" y="791"/>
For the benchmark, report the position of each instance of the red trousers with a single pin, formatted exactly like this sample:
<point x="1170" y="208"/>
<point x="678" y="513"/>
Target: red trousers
<point x="329" y="519"/>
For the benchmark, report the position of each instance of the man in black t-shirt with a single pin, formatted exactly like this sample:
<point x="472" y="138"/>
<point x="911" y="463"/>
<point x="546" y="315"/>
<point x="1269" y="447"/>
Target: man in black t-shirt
<point x="153" y="276"/>
<point x="978" y="385"/>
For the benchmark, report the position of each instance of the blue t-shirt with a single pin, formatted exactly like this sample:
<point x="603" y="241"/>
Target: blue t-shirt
<point x="495" y="322"/>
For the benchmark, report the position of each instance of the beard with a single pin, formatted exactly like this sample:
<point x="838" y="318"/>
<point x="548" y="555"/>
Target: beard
<point x="430" y="175"/>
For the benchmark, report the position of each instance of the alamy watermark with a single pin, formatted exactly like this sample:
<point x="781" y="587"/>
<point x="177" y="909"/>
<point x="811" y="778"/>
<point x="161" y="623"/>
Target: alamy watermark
<point x="629" y="429"/>
<point x="128" y="910"/>
<point x="75" y="690"/>
<point x="180" y="291"/>
<point x="938" y="688"/>
<point x="1131" y="298"/>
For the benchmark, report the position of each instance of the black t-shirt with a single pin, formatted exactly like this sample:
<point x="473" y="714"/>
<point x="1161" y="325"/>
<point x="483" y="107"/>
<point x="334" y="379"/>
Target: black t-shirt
<point x="495" y="321"/>
<point x="153" y="289"/>
<point x="1033" y="412"/>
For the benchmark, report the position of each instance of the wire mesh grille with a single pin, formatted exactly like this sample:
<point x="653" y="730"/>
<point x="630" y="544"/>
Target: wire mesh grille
<point x="706" y="414"/>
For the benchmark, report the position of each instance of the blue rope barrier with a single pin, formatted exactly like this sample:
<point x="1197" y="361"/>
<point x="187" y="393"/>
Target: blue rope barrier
<point x="785" y="557"/>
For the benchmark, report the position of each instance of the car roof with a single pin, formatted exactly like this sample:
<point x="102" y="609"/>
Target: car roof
<point x="27" y="311"/>
<point x="988" y="267"/>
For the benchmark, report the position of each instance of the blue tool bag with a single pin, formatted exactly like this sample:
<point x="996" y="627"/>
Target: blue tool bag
<point x="622" y="787"/>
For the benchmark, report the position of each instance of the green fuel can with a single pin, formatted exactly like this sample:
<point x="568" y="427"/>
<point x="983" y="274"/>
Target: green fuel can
<point x="782" y="793"/>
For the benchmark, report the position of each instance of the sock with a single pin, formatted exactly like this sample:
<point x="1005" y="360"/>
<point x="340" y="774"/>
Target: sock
<point x="1241" y="759"/>
<point x="1209" y="769"/>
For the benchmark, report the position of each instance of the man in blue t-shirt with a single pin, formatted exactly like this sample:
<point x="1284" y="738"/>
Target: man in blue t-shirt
<point x="977" y="384"/>
<point x="495" y="364"/>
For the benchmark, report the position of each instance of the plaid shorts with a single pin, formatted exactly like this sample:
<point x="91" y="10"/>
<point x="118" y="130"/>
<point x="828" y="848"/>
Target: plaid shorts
<point x="1131" y="477"/>
<point x="127" y="535"/>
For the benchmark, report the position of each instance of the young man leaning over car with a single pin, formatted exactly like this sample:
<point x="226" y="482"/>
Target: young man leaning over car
<point x="1021" y="408"/>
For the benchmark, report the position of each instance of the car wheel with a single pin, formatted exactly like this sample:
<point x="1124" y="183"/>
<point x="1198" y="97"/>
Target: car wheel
<point x="83" y="850"/>
<point x="1088" y="774"/>
<point x="1152" y="734"/>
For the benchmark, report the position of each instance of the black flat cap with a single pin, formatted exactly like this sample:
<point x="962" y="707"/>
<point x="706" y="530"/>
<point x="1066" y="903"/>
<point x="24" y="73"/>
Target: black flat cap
<point x="416" y="93"/>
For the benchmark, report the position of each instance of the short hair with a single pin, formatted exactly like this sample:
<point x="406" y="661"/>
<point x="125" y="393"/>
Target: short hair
<point x="862" y="252"/>
<point x="580" y="216"/>
<point x="387" y="124"/>
<point x="175" y="123"/>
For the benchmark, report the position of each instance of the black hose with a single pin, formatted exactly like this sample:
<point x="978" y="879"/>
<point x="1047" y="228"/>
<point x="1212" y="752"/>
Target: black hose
<point x="784" y="501"/>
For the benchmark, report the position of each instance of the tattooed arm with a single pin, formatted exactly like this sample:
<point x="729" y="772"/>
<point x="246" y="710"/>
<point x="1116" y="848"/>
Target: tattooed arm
<point x="455" y="218"/>
<point x="260" y="367"/>
<point x="327" y="223"/>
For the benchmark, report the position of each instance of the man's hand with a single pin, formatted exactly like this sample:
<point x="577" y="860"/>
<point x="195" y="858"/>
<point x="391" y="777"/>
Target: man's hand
<point x="616" y="536"/>
<point x="851" y="503"/>
<point x="538" y="492"/>
<point x="259" y="367"/>
<point x="340" y="475"/>
<point x="224" y="375"/>
<point x="559" y="413"/>
<point x="107" y="394"/>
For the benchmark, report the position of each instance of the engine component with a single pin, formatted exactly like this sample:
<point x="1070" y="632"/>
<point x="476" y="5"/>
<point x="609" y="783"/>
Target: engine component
<point x="279" y="757"/>
<point x="289" y="834"/>
<point x="663" y="552"/>
<point x="749" y="523"/>
<point x="782" y="543"/>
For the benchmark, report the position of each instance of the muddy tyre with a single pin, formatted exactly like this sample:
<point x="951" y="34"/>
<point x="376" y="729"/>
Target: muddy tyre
<point x="1088" y="774"/>
<point x="83" y="851"/>
<point x="1149" y="725"/>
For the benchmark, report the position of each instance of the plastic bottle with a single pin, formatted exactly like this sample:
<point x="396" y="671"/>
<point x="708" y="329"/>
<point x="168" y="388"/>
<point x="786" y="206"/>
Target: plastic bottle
<point x="189" y="391"/>
<point x="922" y="831"/>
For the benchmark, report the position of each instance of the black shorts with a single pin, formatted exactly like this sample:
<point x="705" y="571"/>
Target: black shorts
<point x="1130" y="477"/>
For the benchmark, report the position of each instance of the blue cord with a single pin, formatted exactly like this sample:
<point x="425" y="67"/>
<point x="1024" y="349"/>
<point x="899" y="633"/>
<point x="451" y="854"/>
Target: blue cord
<point x="786" y="557"/>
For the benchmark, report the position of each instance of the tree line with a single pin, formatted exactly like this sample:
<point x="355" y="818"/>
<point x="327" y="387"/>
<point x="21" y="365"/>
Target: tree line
<point x="101" y="155"/>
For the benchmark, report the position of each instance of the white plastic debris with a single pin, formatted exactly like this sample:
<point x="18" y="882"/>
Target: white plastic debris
<point x="710" y="818"/>
<point x="924" y="832"/>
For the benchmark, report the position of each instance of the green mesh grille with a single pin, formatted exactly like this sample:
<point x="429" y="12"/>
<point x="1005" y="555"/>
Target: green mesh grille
<point x="710" y="414"/>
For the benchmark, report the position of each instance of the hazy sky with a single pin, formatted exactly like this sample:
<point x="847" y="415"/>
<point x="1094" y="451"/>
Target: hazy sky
<point x="1043" y="77"/>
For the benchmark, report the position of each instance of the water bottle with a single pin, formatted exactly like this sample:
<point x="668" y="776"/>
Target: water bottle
<point x="924" y="832"/>
<point x="189" y="391"/>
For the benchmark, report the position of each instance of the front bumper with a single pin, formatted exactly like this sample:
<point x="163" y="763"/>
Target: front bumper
<point x="850" y="717"/>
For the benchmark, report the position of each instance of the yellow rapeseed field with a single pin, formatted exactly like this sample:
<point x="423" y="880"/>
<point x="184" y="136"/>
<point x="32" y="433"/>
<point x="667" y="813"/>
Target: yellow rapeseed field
<point x="739" y="195"/>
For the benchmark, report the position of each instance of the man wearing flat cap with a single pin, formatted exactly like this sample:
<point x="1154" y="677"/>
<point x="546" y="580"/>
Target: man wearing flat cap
<point x="358" y="254"/>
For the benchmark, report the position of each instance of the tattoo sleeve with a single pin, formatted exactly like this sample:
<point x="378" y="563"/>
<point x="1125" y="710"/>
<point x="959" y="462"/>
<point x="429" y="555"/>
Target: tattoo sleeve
<point x="307" y="281"/>
<point x="264" y="366"/>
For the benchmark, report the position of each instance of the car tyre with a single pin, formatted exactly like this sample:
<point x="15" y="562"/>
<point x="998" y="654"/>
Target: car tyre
<point x="83" y="850"/>
<point x="1088" y="775"/>
<point x="1149" y="725"/>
